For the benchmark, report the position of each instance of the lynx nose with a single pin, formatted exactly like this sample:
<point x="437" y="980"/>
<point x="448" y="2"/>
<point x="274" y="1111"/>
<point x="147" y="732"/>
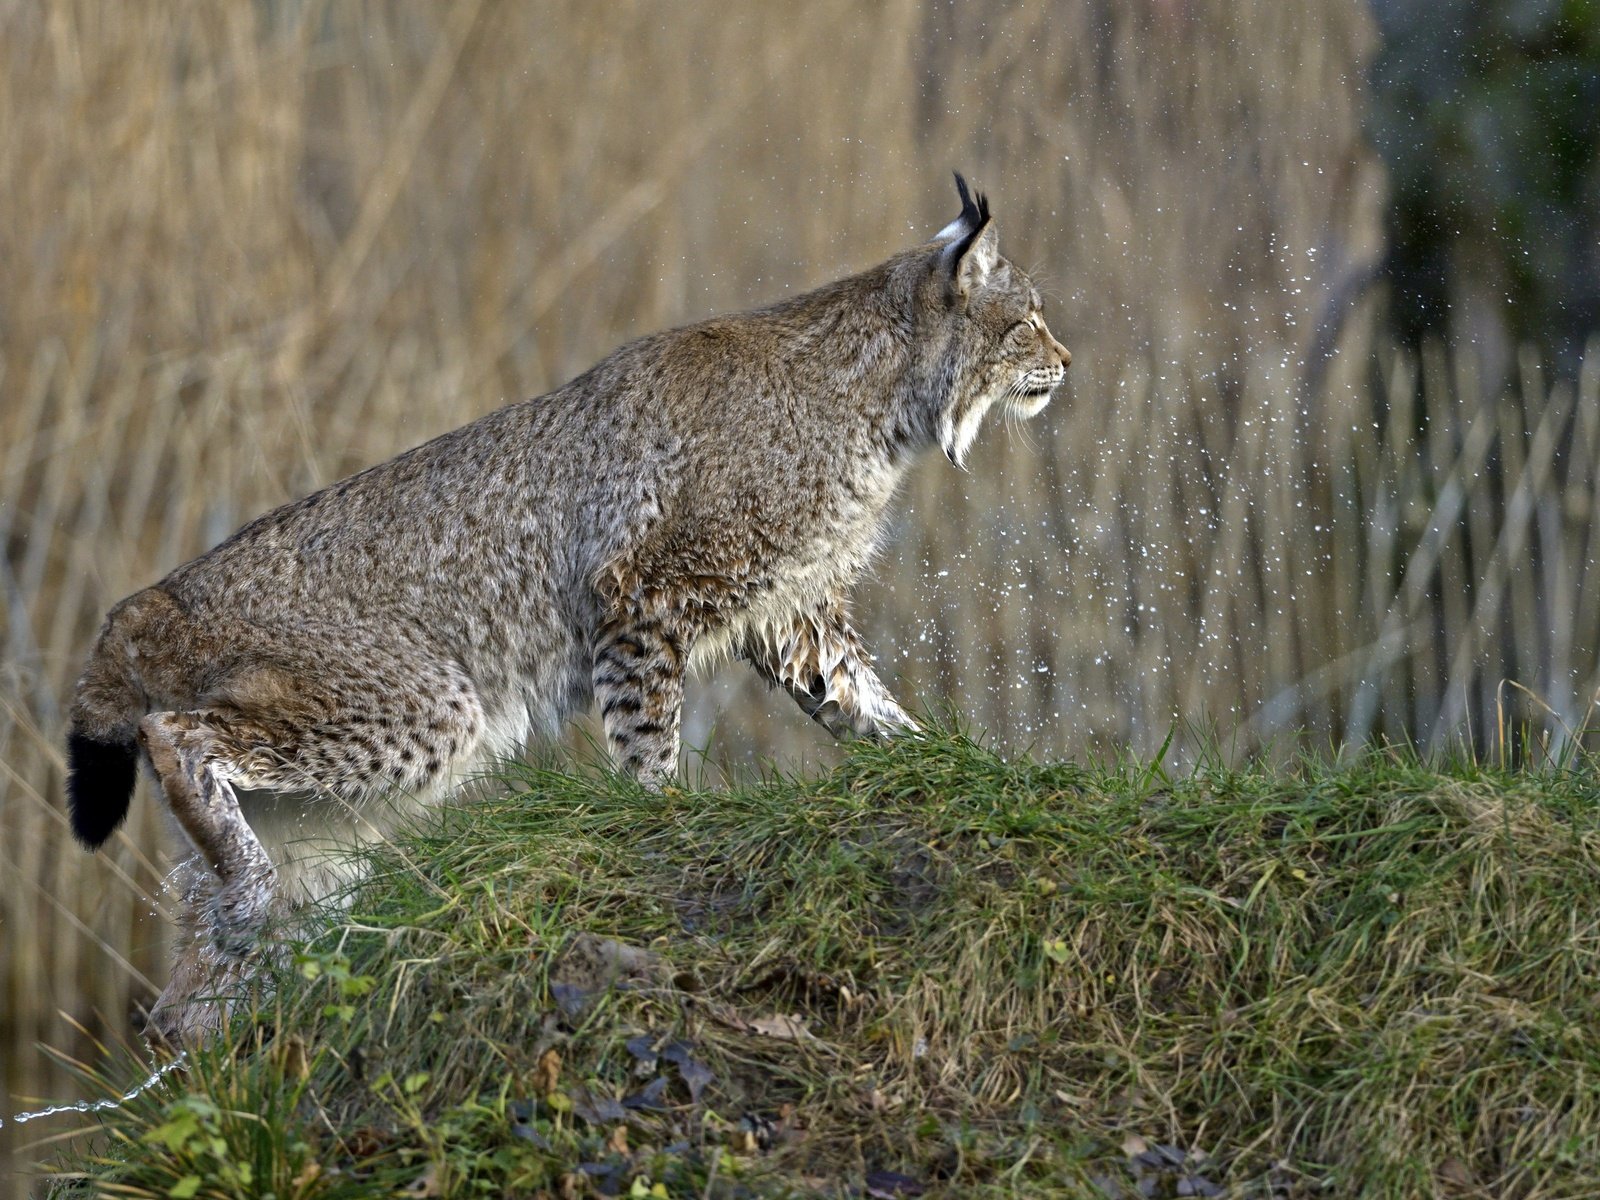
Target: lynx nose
<point x="1061" y="351"/>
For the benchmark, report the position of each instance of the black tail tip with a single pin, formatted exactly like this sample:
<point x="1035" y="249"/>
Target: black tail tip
<point x="100" y="779"/>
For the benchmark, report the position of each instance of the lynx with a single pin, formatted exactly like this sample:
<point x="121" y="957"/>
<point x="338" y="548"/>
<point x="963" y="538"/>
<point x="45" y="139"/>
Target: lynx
<point x="712" y="490"/>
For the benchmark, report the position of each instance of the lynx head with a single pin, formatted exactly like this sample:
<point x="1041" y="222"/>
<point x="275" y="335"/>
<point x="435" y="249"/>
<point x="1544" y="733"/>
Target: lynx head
<point x="981" y="336"/>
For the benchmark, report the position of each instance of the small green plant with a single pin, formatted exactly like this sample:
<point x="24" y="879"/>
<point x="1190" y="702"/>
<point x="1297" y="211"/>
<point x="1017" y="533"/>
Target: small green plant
<point x="345" y="985"/>
<point x="228" y="1128"/>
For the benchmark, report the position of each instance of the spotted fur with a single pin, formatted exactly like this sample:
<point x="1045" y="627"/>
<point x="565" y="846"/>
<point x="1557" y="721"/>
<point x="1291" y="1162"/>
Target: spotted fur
<point x="713" y="490"/>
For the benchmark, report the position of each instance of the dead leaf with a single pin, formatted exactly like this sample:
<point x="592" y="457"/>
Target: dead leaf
<point x="1456" y="1173"/>
<point x="676" y="1052"/>
<point x="306" y="1176"/>
<point x="725" y="1014"/>
<point x="784" y="1027"/>
<point x="1133" y="1145"/>
<point x="1165" y="1155"/>
<point x="890" y="1185"/>
<point x="521" y="1129"/>
<point x="547" y="1075"/>
<point x="366" y="1142"/>
<point x="596" y="1108"/>
<point x="643" y="1048"/>
<point x="651" y="1097"/>
<point x="617" y="1143"/>
<point x="426" y="1184"/>
<point x="694" y="1073"/>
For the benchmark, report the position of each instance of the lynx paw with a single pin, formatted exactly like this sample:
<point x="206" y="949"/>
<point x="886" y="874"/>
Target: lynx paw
<point x="197" y="1000"/>
<point x="174" y="1024"/>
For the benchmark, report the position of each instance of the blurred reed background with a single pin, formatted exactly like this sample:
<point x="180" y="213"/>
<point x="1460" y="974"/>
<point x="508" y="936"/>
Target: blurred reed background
<point x="251" y="248"/>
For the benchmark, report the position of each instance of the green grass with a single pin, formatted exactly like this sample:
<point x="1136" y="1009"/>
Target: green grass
<point x="932" y="968"/>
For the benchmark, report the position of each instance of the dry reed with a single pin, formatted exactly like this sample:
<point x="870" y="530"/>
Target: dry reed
<point x="252" y="248"/>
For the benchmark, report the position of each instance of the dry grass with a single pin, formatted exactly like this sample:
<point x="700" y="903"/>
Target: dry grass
<point x="251" y="248"/>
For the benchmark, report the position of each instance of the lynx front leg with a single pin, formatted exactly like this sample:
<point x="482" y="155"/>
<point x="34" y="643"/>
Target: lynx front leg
<point x="821" y="662"/>
<point x="190" y="755"/>
<point x="639" y="667"/>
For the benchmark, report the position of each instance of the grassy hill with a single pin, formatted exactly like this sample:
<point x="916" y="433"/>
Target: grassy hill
<point x="930" y="972"/>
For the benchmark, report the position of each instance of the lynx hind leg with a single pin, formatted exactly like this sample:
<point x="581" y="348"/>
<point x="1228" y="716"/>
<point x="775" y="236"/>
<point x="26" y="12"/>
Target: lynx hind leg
<point x="204" y="984"/>
<point x="194" y="755"/>
<point x="821" y="662"/>
<point x="330" y="729"/>
<point x="639" y="668"/>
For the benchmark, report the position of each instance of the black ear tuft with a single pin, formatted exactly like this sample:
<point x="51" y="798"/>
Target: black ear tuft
<point x="966" y="229"/>
<point x="973" y="213"/>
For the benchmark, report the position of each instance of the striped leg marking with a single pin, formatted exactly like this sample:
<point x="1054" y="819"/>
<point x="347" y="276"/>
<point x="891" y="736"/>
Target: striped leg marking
<point x="639" y="667"/>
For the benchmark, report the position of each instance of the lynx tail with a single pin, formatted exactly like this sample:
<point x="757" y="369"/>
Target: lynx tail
<point x="100" y="779"/>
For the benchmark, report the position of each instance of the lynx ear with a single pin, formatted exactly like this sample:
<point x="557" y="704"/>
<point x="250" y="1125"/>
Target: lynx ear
<point x="973" y="248"/>
<point x="970" y="267"/>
